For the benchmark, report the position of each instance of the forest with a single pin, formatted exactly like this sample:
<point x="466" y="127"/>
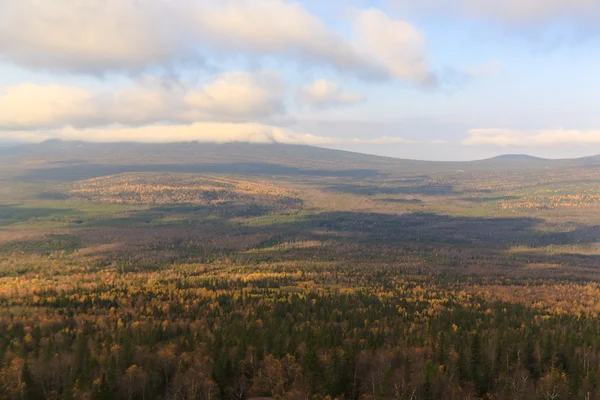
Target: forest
<point x="288" y="272"/>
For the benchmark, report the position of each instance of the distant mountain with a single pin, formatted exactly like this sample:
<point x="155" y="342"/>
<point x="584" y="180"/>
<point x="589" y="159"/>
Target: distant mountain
<point x="516" y="161"/>
<point x="78" y="160"/>
<point x="517" y="157"/>
<point x="9" y="147"/>
<point x="527" y="161"/>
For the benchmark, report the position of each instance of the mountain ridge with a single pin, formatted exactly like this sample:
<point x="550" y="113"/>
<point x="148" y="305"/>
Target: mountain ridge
<point x="254" y="158"/>
<point x="69" y="143"/>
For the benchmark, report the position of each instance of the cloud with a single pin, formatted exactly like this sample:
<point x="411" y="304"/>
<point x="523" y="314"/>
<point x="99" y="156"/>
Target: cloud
<point x="96" y="36"/>
<point x="29" y="106"/>
<point x="515" y="12"/>
<point x="239" y="95"/>
<point x="395" y="45"/>
<point x="270" y="27"/>
<point x="531" y="138"/>
<point x="91" y="35"/>
<point x="231" y="97"/>
<point x="201" y="131"/>
<point x="323" y="93"/>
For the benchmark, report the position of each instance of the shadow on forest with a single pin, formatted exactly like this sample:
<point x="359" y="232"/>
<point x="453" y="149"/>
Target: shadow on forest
<point x="70" y="173"/>
<point x="489" y="199"/>
<point x="439" y="229"/>
<point x="429" y="190"/>
<point x="212" y="217"/>
<point x="46" y="245"/>
<point x="401" y="201"/>
<point x="366" y="228"/>
<point x="353" y="236"/>
<point x="12" y="214"/>
<point x="477" y="243"/>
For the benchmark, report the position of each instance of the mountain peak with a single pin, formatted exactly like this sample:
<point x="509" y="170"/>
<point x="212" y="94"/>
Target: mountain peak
<point x="516" y="157"/>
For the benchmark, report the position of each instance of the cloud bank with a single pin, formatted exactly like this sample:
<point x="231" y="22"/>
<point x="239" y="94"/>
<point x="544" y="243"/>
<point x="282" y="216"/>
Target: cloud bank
<point x="230" y="97"/>
<point x="99" y="36"/>
<point x="215" y="132"/>
<point x="531" y="138"/>
<point x="202" y="131"/>
<point x="323" y="93"/>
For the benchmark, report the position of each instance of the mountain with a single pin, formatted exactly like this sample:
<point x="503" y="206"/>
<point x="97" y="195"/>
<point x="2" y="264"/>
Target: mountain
<point x="56" y="159"/>
<point x="517" y="157"/>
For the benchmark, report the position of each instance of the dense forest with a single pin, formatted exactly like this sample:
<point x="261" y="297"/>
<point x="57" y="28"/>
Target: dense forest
<point x="222" y="332"/>
<point x="295" y="283"/>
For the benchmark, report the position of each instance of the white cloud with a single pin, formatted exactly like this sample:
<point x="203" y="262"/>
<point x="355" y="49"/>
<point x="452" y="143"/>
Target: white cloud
<point x="91" y="35"/>
<point x="509" y="11"/>
<point x="395" y="45"/>
<point x="272" y="27"/>
<point x="28" y="105"/>
<point x="531" y="138"/>
<point x="323" y="93"/>
<point x="201" y="131"/>
<point x="239" y="95"/>
<point x="95" y="36"/>
<point x="231" y="97"/>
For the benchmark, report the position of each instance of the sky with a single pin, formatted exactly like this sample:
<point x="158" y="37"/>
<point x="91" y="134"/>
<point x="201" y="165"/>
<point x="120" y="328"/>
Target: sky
<point x="426" y="79"/>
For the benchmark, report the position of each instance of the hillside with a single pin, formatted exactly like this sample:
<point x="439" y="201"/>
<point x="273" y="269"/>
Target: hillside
<point x="60" y="160"/>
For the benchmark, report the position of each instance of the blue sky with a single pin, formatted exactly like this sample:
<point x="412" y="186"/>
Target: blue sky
<point x="433" y="79"/>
